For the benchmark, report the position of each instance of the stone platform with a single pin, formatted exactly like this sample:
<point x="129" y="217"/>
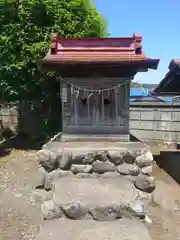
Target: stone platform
<point x="94" y="180"/>
<point x="92" y="230"/>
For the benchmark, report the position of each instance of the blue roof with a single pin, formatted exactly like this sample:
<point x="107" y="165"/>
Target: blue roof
<point x="165" y="99"/>
<point x="138" y="92"/>
<point x="145" y="93"/>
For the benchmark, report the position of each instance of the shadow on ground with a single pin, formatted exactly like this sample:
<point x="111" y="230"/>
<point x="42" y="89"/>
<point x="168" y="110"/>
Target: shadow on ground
<point x="133" y="138"/>
<point x="169" y="162"/>
<point x="20" y="142"/>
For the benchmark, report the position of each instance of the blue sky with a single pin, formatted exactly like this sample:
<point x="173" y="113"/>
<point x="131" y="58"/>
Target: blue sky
<point x="156" y="21"/>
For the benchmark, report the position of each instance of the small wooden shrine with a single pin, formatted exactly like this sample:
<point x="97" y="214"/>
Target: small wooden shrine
<point x="95" y="75"/>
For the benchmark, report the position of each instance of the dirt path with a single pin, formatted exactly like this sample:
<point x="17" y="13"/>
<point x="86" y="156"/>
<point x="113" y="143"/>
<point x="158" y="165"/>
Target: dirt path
<point x="165" y="219"/>
<point x="20" y="217"/>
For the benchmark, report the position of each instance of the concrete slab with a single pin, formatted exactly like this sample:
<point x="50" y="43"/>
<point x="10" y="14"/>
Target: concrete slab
<point x="98" y="191"/>
<point x="90" y="230"/>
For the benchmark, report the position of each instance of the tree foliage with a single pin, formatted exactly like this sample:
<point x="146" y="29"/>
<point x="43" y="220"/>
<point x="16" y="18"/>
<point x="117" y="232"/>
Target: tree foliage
<point x="25" y="29"/>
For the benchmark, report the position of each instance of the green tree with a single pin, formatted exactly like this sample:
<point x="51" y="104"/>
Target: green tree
<point x="25" y="29"/>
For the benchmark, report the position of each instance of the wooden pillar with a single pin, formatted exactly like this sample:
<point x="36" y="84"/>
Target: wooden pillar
<point x="120" y="100"/>
<point x="116" y="105"/>
<point x="62" y="105"/>
<point x="76" y="107"/>
<point x="102" y="106"/>
<point x="62" y="110"/>
<point x="126" y="106"/>
<point x="97" y="108"/>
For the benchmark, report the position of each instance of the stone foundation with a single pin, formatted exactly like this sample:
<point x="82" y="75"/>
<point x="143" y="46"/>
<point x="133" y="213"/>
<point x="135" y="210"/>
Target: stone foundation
<point x="102" y="183"/>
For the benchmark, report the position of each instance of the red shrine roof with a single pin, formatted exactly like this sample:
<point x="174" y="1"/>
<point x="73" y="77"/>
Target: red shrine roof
<point x="125" y="50"/>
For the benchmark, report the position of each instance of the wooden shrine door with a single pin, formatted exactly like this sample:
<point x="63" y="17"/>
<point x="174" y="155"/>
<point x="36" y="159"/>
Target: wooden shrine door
<point x="96" y="113"/>
<point x="88" y="110"/>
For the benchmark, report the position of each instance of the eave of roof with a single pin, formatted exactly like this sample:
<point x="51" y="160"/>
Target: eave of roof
<point x="170" y="77"/>
<point x="99" y="51"/>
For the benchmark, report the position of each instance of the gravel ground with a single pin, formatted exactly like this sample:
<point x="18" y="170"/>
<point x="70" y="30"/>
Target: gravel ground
<point x="20" y="217"/>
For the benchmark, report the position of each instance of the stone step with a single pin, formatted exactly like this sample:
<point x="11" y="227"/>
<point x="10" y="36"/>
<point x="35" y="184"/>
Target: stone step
<point x="94" y="137"/>
<point x="99" y="199"/>
<point x="90" y="230"/>
<point x="91" y="144"/>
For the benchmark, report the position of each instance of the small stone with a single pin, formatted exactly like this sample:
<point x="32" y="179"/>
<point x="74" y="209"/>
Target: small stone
<point x="144" y="160"/>
<point x="66" y="161"/>
<point x="77" y="158"/>
<point x="115" y="156"/>
<point x="50" y="210"/>
<point x="88" y="158"/>
<point x="146" y="170"/>
<point x="101" y="156"/>
<point x="137" y="208"/>
<point x="41" y="176"/>
<point x="128" y="169"/>
<point x="123" y="169"/>
<point x="145" y="183"/>
<point x="102" y="167"/>
<point x="75" y="211"/>
<point x="81" y="168"/>
<point x="107" y="213"/>
<point x="147" y="219"/>
<point x="47" y="160"/>
<point x="129" y="157"/>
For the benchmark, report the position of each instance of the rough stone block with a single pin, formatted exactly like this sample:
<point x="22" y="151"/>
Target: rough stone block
<point x="101" y="156"/>
<point x="102" y="167"/>
<point x="145" y="183"/>
<point x="128" y="169"/>
<point x="137" y="208"/>
<point x="145" y="159"/>
<point x="58" y="152"/>
<point x="40" y="177"/>
<point x="66" y="160"/>
<point x="116" y="156"/>
<point x="47" y="160"/>
<point x="81" y="168"/>
<point x="89" y="158"/>
<point x="75" y="211"/>
<point x="77" y="157"/>
<point x="50" y="210"/>
<point x="129" y="156"/>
